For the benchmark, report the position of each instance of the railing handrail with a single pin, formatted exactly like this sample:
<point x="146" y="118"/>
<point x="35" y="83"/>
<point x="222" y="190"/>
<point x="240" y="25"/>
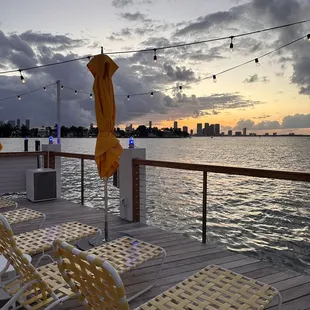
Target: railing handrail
<point x="22" y="154"/>
<point x="73" y="155"/>
<point x="252" y="172"/>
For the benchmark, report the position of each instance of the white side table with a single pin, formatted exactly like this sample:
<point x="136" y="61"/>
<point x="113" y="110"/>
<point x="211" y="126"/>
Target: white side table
<point x="10" y="273"/>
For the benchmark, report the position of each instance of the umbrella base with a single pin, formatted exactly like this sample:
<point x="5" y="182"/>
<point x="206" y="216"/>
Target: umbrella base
<point x="86" y="244"/>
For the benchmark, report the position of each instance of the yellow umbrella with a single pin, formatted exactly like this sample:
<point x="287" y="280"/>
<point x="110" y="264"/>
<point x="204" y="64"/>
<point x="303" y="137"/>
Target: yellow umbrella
<point x="1" y="146"/>
<point x="108" y="148"/>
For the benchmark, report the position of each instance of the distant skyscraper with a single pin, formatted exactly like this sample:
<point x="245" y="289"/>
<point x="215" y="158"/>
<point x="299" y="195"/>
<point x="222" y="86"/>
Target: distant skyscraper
<point x="206" y="129"/>
<point x="175" y="125"/>
<point x="217" y="129"/>
<point x="129" y="128"/>
<point x="230" y="132"/>
<point x="244" y="131"/>
<point x="12" y="123"/>
<point x="28" y="123"/>
<point x="212" y="131"/>
<point x="199" y="129"/>
<point x="150" y="124"/>
<point x="185" y="128"/>
<point x="192" y="132"/>
<point x="91" y="126"/>
<point x="18" y="123"/>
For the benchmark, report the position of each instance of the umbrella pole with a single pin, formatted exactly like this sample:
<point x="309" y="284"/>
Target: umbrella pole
<point x="106" y="209"/>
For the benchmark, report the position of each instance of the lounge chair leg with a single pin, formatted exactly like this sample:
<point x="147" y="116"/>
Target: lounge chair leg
<point x="42" y="256"/>
<point x="280" y="300"/>
<point x="44" y="218"/>
<point x="154" y="283"/>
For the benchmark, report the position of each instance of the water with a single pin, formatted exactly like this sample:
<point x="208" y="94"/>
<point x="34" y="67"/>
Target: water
<point x="261" y="217"/>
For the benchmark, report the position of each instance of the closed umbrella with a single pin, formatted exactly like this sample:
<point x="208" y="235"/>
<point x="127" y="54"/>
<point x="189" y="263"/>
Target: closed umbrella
<point x="0" y="146"/>
<point x="108" y="148"/>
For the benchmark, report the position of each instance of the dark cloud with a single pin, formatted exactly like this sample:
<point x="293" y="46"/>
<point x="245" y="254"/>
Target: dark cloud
<point x="255" y="78"/>
<point x="179" y="74"/>
<point x="133" y="17"/>
<point x="118" y="36"/>
<point x="121" y="3"/>
<point x="296" y="121"/>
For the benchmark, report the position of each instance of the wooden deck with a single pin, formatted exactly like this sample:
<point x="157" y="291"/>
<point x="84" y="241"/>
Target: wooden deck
<point x="184" y="256"/>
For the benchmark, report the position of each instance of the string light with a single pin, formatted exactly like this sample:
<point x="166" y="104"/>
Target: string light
<point x="128" y="97"/>
<point x="180" y="87"/>
<point x="44" y="88"/>
<point x="19" y="97"/>
<point x="257" y="62"/>
<point x="152" y="94"/>
<point x="214" y="78"/>
<point x="22" y="77"/>
<point x="91" y="96"/>
<point x="155" y="56"/>
<point x="62" y="87"/>
<point x="75" y="92"/>
<point x="160" y="48"/>
<point x="308" y="37"/>
<point x="231" y="43"/>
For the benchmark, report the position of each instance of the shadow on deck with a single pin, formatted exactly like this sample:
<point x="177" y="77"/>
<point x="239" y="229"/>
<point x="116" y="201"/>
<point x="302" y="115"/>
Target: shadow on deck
<point x="184" y="256"/>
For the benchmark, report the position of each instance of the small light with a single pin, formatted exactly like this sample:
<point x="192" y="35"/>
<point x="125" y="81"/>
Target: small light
<point x="155" y="56"/>
<point x="62" y="87"/>
<point x="231" y="44"/>
<point x="75" y="92"/>
<point x="257" y="62"/>
<point x="180" y="87"/>
<point x="152" y="94"/>
<point x="308" y="37"/>
<point x="91" y="96"/>
<point x="22" y="77"/>
<point x="19" y="97"/>
<point x="128" y="97"/>
<point x="131" y="144"/>
<point x="44" y="88"/>
<point x="214" y="79"/>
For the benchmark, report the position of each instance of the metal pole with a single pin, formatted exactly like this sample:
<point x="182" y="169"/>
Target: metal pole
<point x="58" y="113"/>
<point x="82" y="181"/>
<point x="204" y="208"/>
<point x="106" y="236"/>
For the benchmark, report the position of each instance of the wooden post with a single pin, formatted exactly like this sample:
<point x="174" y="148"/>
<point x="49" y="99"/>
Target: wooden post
<point x="136" y="192"/>
<point x="204" y="208"/>
<point x="82" y="181"/>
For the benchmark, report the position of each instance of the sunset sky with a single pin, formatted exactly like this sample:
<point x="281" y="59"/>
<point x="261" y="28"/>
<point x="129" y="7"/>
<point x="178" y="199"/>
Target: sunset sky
<point x="272" y="97"/>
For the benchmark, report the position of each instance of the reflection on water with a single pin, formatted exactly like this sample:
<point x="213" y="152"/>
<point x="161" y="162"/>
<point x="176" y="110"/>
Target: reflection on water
<point x="262" y="217"/>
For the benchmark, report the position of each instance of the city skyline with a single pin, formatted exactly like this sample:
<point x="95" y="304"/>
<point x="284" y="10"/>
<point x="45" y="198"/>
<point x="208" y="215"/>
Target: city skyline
<point x="273" y="96"/>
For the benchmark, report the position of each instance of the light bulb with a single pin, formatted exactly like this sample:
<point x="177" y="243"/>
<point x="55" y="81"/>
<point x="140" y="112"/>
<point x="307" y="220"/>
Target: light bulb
<point x="62" y="87"/>
<point x="91" y="96"/>
<point x="19" y="97"/>
<point x="257" y="62"/>
<point x="44" y="88"/>
<point x="128" y="97"/>
<point x="231" y="44"/>
<point x="22" y="77"/>
<point x="155" y="56"/>
<point x="152" y="94"/>
<point x="214" y="79"/>
<point x="308" y="37"/>
<point x="75" y="92"/>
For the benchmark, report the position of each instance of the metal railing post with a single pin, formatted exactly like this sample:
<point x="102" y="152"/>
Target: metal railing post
<point x="204" y="208"/>
<point x="136" y="192"/>
<point x="82" y="181"/>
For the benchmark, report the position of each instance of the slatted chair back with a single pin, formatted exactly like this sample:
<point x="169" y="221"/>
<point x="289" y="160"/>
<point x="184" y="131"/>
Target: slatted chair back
<point x="22" y="266"/>
<point x="94" y="281"/>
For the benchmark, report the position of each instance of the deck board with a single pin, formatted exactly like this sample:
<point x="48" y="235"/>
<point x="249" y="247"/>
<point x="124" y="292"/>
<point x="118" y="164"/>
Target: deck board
<point x="185" y="256"/>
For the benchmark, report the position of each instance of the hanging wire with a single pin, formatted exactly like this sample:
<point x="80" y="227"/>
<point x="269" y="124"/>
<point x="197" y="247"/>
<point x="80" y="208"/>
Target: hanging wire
<point x="158" y="48"/>
<point x="26" y="93"/>
<point x="213" y="76"/>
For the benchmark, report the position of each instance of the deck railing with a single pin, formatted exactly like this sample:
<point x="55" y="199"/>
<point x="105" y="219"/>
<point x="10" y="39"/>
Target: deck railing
<point x="250" y="172"/>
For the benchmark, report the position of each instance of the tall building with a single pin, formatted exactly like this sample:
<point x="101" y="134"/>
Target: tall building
<point x="175" y="125"/>
<point x="230" y="132"/>
<point x="129" y="128"/>
<point x="211" y="130"/>
<point x="199" y="129"/>
<point x="18" y="123"/>
<point x="185" y="128"/>
<point x="150" y="124"/>
<point x="192" y="132"/>
<point x="91" y="126"/>
<point x="217" y="129"/>
<point x="206" y="132"/>
<point x="244" y="131"/>
<point x="28" y="123"/>
<point x="12" y="123"/>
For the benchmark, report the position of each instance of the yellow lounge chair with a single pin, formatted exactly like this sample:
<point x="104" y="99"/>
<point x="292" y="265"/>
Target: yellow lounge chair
<point x="7" y="203"/>
<point x="98" y="286"/>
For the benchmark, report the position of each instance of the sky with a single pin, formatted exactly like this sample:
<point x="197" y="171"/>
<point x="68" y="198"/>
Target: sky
<point x="271" y="97"/>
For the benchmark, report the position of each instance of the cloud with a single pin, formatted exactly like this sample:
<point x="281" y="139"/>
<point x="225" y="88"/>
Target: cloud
<point x="133" y="17"/>
<point x="121" y="3"/>
<point x="254" y="79"/>
<point x="244" y="123"/>
<point x="296" y="121"/>
<point x="179" y="74"/>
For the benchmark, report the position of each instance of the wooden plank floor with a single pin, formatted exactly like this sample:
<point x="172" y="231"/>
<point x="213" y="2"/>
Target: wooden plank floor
<point x="184" y="256"/>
